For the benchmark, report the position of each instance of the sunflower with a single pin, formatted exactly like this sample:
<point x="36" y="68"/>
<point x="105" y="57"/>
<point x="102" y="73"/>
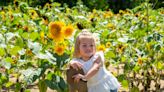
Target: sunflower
<point x="140" y="61"/>
<point x="121" y="48"/>
<point x="34" y="14"/>
<point x="111" y="26"/>
<point x="108" y="44"/>
<point x="101" y="48"/>
<point x="108" y="14"/>
<point x="56" y="31"/>
<point x="59" y="49"/>
<point x="68" y="31"/>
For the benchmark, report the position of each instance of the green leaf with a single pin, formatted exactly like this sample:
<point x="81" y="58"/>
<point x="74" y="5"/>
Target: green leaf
<point x="34" y="36"/>
<point x="2" y="52"/>
<point x="18" y="87"/>
<point x="49" y="76"/>
<point x="8" y="84"/>
<point x="136" y="68"/>
<point x="121" y="77"/>
<point x="123" y="59"/>
<point x="27" y="90"/>
<point x="149" y="38"/>
<point x="37" y="21"/>
<point x="51" y="84"/>
<point x="159" y="65"/>
<point x="8" y="59"/>
<point x="20" y="31"/>
<point x="25" y="35"/>
<point x="127" y="67"/>
<point x="157" y="47"/>
<point x="125" y="83"/>
<point x="19" y="42"/>
<point x="62" y="85"/>
<point x="110" y="54"/>
<point x="14" y="50"/>
<point x="23" y="7"/>
<point x="105" y="34"/>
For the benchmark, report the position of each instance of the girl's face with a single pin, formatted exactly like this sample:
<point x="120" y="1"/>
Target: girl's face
<point x="87" y="48"/>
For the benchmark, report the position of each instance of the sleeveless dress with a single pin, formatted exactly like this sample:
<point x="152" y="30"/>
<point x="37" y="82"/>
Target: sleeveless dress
<point x="103" y="80"/>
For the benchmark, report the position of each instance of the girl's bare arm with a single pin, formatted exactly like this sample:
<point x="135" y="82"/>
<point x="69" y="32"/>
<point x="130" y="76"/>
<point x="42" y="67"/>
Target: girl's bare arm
<point x="95" y="68"/>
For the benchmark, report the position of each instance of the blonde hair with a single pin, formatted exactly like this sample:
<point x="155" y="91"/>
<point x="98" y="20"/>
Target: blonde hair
<point x="84" y="34"/>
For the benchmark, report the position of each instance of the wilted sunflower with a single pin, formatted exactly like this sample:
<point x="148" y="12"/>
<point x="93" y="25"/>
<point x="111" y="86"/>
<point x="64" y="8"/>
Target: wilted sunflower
<point x="56" y="31"/>
<point x="101" y="48"/>
<point x="68" y="31"/>
<point x="59" y="49"/>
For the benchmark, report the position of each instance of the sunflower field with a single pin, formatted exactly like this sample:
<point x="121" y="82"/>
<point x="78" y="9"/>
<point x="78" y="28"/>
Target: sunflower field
<point x="36" y="44"/>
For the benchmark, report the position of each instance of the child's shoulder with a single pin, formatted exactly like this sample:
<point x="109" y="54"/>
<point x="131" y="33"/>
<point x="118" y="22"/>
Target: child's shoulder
<point x="75" y="60"/>
<point x="99" y="54"/>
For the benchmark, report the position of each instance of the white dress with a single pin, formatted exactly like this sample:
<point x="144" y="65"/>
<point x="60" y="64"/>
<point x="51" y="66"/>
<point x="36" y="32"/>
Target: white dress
<point x="103" y="80"/>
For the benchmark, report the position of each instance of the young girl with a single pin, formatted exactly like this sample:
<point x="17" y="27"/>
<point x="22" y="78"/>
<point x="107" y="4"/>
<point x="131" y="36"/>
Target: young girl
<point x="92" y="62"/>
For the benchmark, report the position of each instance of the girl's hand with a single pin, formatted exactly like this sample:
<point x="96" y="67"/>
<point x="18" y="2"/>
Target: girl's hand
<point x="76" y="65"/>
<point x="77" y="77"/>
